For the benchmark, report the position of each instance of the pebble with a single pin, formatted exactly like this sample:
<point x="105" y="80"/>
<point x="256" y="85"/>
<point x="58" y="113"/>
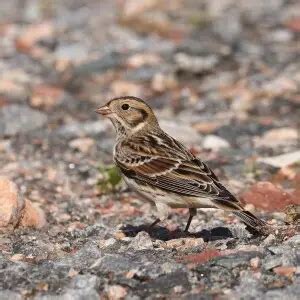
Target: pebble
<point x="278" y="136"/>
<point x="24" y="119"/>
<point x="267" y="196"/>
<point x="32" y="216"/>
<point x="82" y="144"/>
<point x="255" y="262"/>
<point x="272" y="262"/>
<point x="141" y="241"/>
<point x="269" y="240"/>
<point x="116" y="292"/>
<point x="11" y="204"/>
<point x="12" y="90"/>
<point x="183" y="132"/>
<point x="46" y="96"/>
<point x="281" y="161"/>
<point x="74" y="294"/>
<point x="82" y="129"/>
<point x="14" y="210"/>
<point x="195" y="64"/>
<point x="184" y="244"/>
<point x="215" y="142"/>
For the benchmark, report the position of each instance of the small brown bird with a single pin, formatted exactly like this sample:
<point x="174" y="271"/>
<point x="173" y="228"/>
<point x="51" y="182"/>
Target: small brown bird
<point x="161" y="169"/>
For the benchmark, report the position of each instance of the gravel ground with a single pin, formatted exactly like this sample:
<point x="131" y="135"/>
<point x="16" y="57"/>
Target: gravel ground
<point x="223" y="77"/>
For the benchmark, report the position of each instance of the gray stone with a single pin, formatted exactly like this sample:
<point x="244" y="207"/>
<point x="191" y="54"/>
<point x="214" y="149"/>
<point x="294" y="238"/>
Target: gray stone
<point x="141" y="74"/>
<point x="16" y="119"/>
<point x="71" y="294"/>
<point x="215" y="142"/>
<point x="83" y="258"/>
<point x="291" y="292"/>
<point x="236" y="260"/>
<point x="195" y="64"/>
<point x="248" y="289"/>
<point x="142" y="241"/>
<point x="9" y="295"/>
<point x="108" y="61"/>
<point x="272" y="262"/>
<point x="73" y="52"/>
<point x="183" y="132"/>
<point x="85" y="281"/>
<point x="144" y="263"/>
<point x="78" y="129"/>
<point x="228" y="26"/>
<point x="294" y="240"/>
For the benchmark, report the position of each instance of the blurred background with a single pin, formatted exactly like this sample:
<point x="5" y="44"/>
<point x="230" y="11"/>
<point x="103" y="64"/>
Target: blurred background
<point x="223" y="77"/>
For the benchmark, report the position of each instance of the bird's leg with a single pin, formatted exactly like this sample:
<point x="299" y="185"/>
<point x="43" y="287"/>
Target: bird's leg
<point x="193" y="212"/>
<point x="154" y="223"/>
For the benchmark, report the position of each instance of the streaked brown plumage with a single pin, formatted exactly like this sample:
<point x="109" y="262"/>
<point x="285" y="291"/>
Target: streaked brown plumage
<point x="161" y="169"/>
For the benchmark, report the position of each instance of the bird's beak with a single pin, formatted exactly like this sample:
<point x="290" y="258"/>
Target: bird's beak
<point x="103" y="110"/>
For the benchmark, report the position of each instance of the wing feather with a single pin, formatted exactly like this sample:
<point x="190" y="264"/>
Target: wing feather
<point x="168" y="166"/>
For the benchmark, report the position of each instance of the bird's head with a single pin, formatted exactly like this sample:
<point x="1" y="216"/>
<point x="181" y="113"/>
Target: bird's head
<point x="129" y="115"/>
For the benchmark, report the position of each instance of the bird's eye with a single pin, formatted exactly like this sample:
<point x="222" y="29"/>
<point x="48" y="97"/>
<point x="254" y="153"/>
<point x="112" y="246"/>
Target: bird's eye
<point x="125" y="106"/>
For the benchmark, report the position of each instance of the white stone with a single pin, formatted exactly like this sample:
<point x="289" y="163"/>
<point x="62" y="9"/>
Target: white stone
<point x="214" y="142"/>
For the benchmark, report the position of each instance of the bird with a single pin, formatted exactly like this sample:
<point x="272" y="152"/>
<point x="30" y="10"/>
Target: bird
<point x="162" y="170"/>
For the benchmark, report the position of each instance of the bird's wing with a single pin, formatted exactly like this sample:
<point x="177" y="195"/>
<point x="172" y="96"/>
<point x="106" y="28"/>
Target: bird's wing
<point x="174" y="170"/>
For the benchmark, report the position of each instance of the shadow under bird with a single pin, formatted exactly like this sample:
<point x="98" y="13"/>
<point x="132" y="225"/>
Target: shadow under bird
<point x="161" y="169"/>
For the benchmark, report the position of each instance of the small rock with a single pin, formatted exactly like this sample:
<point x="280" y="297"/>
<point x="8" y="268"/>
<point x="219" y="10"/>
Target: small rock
<point x="15" y="211"/>
<point x="162" y="82"/>
<point x="116" y="292"/>
<point x="122" y="87"/>
<point x="142" y="74"/>
<point x="285" y="271"/>
<point x="272" y="262"/>
<point x="195" y="64"/>
<point x="28" y="39"/>
<point x="74" y="294"/>
<point x="85" y="281"/>
<point x="78" y="129"/>
<point x="184" y="133"/>
<point x="11" y="204"/>
<point x="10" y="295"/>
<point x="267" y="196"/>
<point x="142" y="59"/>
<point x="17" y="257"/>
<point x="119" y="235"/>
<point x="184" y="244"/>
<point x="228" y="26"/>
<point x="75" y="53"/>
<point x="283" y="160"/>
<point x="269" y="240"/>
<point x="24" y="119"/>
<point x="12" y="90"/>
<point x="277" y="137"/>
<point x="203" y="256"/>
<point x="255" y="262"/>
<point x="295" y="240"/>
<point x="107" y="243"/>
<point x="32" y="216"/>
<point x="141" y="241"/>
<point x="82" y="144"/>
<point x="206" y="127"/>
<point x="46" y="96"/>
<point x="214" y="142"/>
<point x="292" y="214"/>
<point x="107" y="62"/>
<point x="178" y="289"/>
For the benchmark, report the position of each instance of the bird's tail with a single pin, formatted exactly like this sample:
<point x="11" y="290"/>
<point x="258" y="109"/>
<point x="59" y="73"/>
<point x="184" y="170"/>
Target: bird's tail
<point x="251" y="220"/>
<point x="257" y="225"/>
